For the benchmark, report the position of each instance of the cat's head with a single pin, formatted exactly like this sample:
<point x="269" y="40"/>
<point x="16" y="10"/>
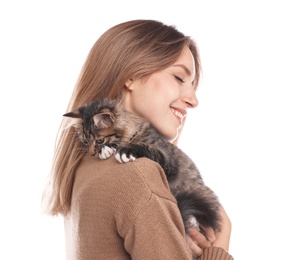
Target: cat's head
<point x="94" y="124"/>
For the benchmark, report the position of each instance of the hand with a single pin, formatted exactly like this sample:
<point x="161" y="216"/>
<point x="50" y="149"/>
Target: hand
<point x="198" y="242"/>
<point x="222" y="238"/>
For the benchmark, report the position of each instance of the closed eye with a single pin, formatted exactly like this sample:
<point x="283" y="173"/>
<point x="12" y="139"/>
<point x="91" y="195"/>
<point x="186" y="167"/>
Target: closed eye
<point x="179" y="79"/>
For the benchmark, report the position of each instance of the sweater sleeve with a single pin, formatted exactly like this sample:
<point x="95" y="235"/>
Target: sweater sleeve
<point x="155" y="229"/>
<point x="215" y="253"/>
<point x="157" y="232"/>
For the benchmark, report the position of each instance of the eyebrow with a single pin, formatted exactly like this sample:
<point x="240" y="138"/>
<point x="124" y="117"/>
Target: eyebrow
<point x="184" y="67"/>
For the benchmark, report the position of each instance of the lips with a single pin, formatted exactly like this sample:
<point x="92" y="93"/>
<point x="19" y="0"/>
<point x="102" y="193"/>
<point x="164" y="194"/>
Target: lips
<point x="178" y="112"/>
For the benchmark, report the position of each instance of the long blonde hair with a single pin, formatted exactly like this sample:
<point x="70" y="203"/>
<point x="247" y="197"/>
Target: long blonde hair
<point x="132" y="49"/>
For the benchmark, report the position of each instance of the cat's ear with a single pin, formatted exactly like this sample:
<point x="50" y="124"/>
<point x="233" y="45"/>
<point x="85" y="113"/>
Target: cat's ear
<point x="74" y="118"/>
<point x="104" y="119"/>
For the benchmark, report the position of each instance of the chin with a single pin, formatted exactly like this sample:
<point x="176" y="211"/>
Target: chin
<point x="169" y="132"/>
<point x="172" y="137"/>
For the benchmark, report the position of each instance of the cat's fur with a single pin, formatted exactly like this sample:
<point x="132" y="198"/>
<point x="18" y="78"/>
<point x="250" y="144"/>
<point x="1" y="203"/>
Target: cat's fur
<point x="104" y="123"/>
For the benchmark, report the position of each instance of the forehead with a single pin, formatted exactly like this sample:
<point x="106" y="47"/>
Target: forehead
<point x="105" y="132"/>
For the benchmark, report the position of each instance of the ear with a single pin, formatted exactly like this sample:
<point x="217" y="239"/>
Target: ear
<point x="128" y="84"/>
<point x="74" y="119"/>
<point x="73" y="114"/>
<point x="104" y="119"/>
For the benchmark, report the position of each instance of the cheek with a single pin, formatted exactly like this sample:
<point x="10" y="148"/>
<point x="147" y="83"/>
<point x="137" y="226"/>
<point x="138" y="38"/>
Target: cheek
<point x="147" y="103"/>
<point x="153" y="117"/>
<point x="159" y="115"/>
<point x="165" y="124"/>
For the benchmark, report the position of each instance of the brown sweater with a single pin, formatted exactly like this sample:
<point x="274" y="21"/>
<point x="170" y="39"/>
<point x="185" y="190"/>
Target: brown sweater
<point x="126" y="211"/>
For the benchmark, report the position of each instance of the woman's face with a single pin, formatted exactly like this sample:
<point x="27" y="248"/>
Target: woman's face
<point x="164" y="96"/>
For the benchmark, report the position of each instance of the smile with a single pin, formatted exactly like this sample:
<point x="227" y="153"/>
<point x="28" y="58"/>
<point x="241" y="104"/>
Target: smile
<point x="178" y="114"/>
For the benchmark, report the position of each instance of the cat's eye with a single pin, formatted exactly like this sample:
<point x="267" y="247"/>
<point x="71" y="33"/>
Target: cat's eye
<point x="84" y="141"/>
<point x="100" y="141"/>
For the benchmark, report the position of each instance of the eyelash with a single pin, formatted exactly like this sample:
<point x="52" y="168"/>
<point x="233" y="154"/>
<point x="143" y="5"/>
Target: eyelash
<point x="179" y="79"/>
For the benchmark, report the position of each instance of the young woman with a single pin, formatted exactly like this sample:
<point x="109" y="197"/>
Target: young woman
<point x="124" y="211"/>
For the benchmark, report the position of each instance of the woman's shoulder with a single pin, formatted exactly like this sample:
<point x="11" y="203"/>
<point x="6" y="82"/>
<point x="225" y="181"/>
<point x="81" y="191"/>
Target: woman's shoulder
<point x="141" y="176"/>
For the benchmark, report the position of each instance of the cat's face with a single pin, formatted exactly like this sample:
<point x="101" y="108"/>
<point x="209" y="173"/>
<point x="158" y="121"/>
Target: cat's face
<point x="94" y="141"/>
<point x="94" y="127"/>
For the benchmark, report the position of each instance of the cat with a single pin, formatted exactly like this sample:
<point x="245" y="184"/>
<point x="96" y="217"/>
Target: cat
<point x="105" y="128"/>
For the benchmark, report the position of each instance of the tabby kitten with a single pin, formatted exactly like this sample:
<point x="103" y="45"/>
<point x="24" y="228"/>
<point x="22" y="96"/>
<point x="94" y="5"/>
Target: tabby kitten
<point x="104" y="127"/>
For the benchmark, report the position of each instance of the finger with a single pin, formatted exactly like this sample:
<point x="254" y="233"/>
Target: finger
<point x="199" y="238"/>
<point x="209" y="233"/>
<point x="196" y="250"/>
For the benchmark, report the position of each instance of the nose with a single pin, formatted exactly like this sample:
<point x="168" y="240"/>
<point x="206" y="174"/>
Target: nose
<point x="190" y="98"/>
<point x="92" y="151"/>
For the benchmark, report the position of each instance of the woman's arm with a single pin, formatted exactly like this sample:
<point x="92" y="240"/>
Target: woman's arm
<point x="157" y="232"/>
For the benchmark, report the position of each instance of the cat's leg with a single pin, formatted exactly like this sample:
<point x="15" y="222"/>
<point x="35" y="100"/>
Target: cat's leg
<point x="122" y="154"/>
<point x="123" y="158"/>
<point x="129" y="152"/>
<point x="106" y="152"/>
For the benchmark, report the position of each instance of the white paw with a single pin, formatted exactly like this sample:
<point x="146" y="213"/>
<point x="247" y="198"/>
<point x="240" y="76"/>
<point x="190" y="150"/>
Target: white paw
<point x="194" y="223"/>
<point x="124" y="158"/>
<point x="106" y="152"/>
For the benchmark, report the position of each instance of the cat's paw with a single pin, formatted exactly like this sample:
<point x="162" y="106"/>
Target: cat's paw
<point x="106" y="152"/>
<point x="123" y="158"/>
<point x="192" y="222"/>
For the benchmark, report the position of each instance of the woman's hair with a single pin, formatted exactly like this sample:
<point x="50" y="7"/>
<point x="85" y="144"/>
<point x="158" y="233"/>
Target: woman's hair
<point x="132" y="49"/>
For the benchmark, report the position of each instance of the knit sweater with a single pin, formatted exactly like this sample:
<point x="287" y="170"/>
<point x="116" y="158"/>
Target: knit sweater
<point x="126" y="211"/>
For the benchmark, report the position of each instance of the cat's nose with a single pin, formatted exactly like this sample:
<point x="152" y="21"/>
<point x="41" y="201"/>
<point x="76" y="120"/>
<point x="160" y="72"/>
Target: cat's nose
<point x="92" y="151"/>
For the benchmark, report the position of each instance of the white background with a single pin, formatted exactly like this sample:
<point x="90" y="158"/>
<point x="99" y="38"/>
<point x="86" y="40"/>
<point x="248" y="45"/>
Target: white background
<point x="237" y="136"/>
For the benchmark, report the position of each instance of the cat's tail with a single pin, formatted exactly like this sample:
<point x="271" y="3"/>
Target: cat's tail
<point x="199" y="210"/>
